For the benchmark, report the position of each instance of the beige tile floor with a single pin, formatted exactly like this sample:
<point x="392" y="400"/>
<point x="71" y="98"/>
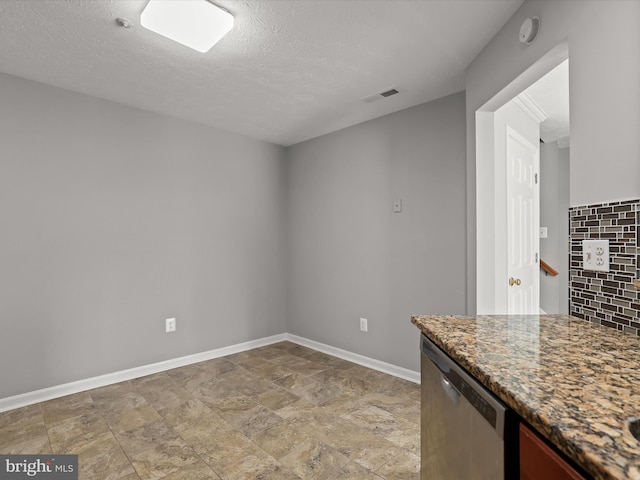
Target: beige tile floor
<point x="278" y="412"/>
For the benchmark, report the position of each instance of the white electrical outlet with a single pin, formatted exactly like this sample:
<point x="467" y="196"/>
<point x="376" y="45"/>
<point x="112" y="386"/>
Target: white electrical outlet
<point x="363" y="325"/>
<point x="170" y="325"/>
<point x="595" y="255"/>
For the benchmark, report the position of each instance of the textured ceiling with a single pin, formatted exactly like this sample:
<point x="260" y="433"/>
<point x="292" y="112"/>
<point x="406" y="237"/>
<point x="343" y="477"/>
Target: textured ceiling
<point x="290" y="70"/>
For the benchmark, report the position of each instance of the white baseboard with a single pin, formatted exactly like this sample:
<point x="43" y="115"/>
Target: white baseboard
<point x="37" y="396"/>
<point x="372" y="363"/>
<point x="58" y="391"/>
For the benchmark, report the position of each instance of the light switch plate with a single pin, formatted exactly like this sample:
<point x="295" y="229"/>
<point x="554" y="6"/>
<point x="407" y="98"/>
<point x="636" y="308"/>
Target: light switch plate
<point x="170" y="325"/>
<point x="543" y="232"/>
<point x="595" y="255"/>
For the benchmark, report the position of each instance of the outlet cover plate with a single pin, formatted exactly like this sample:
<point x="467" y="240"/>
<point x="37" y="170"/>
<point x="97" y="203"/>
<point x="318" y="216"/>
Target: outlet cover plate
<point x="364" y="327"/>
<point x="595" y="255"/>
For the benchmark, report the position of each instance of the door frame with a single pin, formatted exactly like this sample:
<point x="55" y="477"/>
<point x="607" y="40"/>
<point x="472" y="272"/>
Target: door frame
<point x="486" y="274"/>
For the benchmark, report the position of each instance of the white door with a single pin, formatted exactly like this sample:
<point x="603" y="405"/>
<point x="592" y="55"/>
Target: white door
<point x="523" y="192"/>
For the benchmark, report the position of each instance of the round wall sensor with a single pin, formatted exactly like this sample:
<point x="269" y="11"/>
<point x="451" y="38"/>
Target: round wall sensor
<point x="124" y="23"/>
<point x="529" y="30"/>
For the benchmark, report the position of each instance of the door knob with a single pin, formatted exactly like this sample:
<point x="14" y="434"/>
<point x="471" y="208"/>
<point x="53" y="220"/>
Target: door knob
<point x="514" y="281"/>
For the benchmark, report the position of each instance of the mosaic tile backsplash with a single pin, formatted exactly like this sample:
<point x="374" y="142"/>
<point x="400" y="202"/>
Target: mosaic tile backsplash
<point x="607" y="298"/>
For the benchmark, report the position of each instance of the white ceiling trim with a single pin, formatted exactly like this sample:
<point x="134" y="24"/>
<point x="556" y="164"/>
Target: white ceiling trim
<point x="530" y="107"/>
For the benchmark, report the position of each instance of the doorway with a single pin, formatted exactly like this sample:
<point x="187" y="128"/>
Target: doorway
<point x="511" y="131"/>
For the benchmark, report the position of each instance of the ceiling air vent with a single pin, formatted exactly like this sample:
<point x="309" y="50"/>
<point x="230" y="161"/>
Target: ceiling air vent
<point x="379" y="96"/>
<point x="388" y="93"/>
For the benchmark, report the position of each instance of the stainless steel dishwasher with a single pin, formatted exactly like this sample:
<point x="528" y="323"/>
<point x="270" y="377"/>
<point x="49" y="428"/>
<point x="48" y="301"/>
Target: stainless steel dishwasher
<point x="467" y="433"/>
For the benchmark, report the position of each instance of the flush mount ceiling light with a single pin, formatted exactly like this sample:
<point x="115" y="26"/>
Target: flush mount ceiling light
<point x="197" y="24"/>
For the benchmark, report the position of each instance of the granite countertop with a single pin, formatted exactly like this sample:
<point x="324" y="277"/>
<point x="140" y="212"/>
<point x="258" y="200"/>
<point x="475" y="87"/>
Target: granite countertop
<point x="576" y="382"/>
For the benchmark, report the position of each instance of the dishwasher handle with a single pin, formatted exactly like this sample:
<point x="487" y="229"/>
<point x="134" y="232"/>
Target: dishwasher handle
<point x="449" y="389"/>
<point x="435" y="357"/>
<point x="442" y="365"/>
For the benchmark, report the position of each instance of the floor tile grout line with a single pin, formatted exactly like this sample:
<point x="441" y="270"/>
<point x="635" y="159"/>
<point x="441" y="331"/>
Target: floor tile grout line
<point x="115" y="437"/>
<point x="46" y="429"/>
<point x="191" y="447"/>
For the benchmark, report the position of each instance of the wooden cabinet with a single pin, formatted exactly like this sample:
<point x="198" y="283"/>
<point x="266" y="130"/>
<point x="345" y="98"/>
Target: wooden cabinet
<point x="538" y="461"/>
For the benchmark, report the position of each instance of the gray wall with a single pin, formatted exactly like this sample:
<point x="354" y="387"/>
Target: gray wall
<point x="351" y="257"/>
<point x="554" y="214"/>
<point x="602" y="39"/>
<point x="114" y="219"/>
